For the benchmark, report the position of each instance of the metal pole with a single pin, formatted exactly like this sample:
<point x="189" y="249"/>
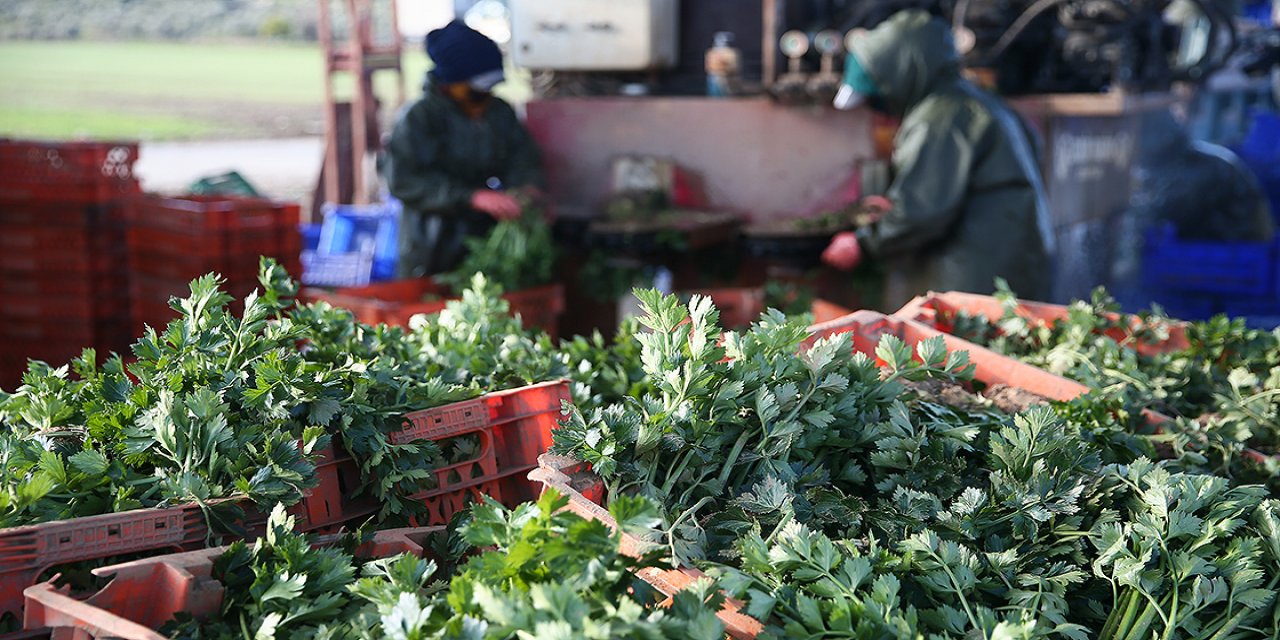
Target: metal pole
<point x="769" y="50"/>
<point x="361" y="34"/>
<point x="330" y="169"/>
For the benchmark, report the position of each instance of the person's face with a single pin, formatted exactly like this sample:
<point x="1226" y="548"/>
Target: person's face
<point x="472" y="100"/>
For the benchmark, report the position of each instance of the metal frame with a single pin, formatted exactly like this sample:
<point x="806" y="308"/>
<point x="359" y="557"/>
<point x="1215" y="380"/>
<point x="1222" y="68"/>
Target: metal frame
<point x="360" y="56"/>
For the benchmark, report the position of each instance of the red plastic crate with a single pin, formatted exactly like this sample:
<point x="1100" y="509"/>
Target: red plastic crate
<point x="514" y="428"/>
<point x="26" y="552"/>
<point x="67" y="216"/>
<point x="586" y="492"/>
<point x="738" y="306"/>
<point x="575" y="480"/>
<point x="397" y="301"/>
<point x="214" y="247"/>
<point x="998" y="366"/>
<point x="15" y="356"/>
<point x="178" y="268"/>
<point x="30" y="283"/>
<point x="177" y="583"/>
<point x="184" y="238"/>
<point x="66" y="171"/>
<point x="18" y="263"/>
<point x="991" y="368"/>
<point x="940" y="309"/>
<point x="207" y="215"/>
<point x="868" y="327"/>
<point x="826" y="311"/>
<point x="53" y="309"/>
<point x="27" y="337"/>
<point x="45" y="240"/>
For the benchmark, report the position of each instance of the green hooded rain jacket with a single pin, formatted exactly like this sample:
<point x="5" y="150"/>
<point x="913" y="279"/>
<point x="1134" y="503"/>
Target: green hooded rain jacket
<point x="968" y="201"/>
<point x="436" y="158"/>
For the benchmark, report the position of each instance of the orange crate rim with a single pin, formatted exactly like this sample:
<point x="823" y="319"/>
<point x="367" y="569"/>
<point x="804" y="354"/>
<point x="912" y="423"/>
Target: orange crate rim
<point x="936" y="309"/>
<point x="169" y="584"/>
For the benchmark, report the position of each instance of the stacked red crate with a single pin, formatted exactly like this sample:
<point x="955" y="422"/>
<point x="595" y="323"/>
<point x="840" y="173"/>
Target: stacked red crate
<point x="62" y="261"/>
<point x="172" y="241"/>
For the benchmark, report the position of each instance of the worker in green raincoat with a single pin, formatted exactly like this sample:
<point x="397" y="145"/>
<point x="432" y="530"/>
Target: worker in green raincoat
<point x="965" y="204"/>
<point x="456" y="155"/>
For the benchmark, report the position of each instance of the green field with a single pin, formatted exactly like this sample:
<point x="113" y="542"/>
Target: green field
<point x="161" y="90"/>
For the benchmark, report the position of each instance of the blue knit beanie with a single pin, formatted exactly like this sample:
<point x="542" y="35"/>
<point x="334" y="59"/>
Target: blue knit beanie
<point x="461" y="53"/>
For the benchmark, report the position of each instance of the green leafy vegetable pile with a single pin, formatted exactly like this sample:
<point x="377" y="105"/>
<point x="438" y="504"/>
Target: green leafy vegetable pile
<point x="1225" y="386"/>
<point x="839" y="502"/>
<point x="516" y="254"/>
<point x="605" y="372"/>
<point x="217" y="405"/>
<point x="536" y="571"/>
<point x="224" y="405"/>
<point x="832" y="492"/>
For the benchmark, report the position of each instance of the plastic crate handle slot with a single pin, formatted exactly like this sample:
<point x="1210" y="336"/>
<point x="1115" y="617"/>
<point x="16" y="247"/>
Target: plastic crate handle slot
<point x="483" y="465"/>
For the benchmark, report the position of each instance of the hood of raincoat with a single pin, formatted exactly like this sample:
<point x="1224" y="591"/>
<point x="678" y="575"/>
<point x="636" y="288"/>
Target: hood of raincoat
<point x="907" y="56"/>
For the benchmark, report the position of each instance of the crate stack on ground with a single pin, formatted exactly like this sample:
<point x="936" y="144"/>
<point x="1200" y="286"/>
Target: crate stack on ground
<point x="172" y="241"/>
<point x="62" y="261"/>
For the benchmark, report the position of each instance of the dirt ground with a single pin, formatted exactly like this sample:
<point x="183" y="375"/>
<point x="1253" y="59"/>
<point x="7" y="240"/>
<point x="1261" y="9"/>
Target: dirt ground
<point x="1006" y="399"/>
<point x="283" y="164"/>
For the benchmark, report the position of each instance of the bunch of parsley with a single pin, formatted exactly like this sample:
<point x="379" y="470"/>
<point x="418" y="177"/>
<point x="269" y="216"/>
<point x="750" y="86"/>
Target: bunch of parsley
<point x="226" y="405"/>
<point x="533" y="571"/>
<point x="838" y="504"/>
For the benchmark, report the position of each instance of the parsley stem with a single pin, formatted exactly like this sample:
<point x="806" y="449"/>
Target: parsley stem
<point x="955" y="583"/>
<point x="786" y="520"/>
<point x="732" y="459"/>
<point x="1120" y="619"/>
<point x="669" y="485"/>
<point x="1172" y="622"/>
<point x="671" y="531"/>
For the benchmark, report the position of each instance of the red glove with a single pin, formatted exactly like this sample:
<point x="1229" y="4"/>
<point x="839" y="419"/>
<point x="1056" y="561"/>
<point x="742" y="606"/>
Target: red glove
<point x="877" y="206"/>
<point x="877" y="203"/>
<point x="541" y="201"/>
<point x="843" y="253"/>
<point x="495" y="203"/>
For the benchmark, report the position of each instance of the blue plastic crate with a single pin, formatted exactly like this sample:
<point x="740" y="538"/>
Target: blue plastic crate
<point x="372" y="229"/>
<point x="1183" y="306"/>
<point x="310" y="236"/>
<point x="1262" y="312"/>
<point x="1220" y="268"/>
<point x="1259" y="13"/>
<point x="336" y="270"/>
<point x="1260" y="151"/>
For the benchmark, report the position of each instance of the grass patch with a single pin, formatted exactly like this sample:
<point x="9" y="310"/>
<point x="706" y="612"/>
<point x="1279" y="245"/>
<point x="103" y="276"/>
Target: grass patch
<point x="166" y="90"/>
<point x="64" y="70"/>
<point x="87" y="123"/>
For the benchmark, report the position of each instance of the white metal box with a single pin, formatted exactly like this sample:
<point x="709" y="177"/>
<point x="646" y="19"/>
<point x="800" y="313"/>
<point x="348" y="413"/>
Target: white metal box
<point x="594" y="35"/>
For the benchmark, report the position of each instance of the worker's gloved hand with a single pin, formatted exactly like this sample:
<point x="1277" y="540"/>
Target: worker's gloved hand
<point x="495" y="203"/>
<point x="843" y="253"/>
<point x="539" y="200"/>
<point x="877" y="203"/>
<point x="876" y="206"/>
